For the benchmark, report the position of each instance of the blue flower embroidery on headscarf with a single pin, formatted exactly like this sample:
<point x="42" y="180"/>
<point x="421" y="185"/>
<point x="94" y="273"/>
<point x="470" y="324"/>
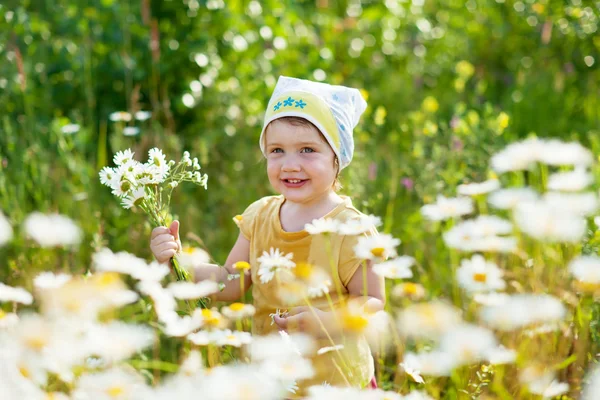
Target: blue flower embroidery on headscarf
<point x="288" y="102"/>
<point x="277" y="106"/>
<point x="300" y="103"/>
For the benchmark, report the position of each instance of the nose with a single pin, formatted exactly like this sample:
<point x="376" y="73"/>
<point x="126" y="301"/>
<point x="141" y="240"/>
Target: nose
<point x="291" y="163"/>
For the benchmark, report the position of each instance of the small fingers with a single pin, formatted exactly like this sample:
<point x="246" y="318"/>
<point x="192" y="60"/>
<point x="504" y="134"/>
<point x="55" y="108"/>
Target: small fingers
<point x="165" y="255"/>
<point x="160" y="239"/>
<point x="165" y="246"/>
<point x="159" y="231"/>
<point x="280" y="322"/>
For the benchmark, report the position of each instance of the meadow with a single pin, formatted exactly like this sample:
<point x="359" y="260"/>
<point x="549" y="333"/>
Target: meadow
<point x="478" y="151"/>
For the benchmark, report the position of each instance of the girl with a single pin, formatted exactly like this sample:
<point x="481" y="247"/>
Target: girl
<point x="307" y="140"/>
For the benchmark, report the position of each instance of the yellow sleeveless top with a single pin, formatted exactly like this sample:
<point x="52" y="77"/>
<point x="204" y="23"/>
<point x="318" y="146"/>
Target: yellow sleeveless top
<point x="261" y="225"/>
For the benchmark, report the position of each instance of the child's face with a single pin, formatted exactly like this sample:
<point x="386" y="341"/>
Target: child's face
<point x="300" y="163"/>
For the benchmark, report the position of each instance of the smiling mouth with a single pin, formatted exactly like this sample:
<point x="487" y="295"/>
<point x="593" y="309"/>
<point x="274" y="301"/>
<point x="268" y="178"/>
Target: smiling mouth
<point x="294" y="180"/>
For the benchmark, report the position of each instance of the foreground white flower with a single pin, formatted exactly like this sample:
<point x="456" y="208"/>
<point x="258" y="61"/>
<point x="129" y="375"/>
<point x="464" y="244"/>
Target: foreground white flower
<point x="116" y="383"/>
<point x="397" y="268"/>
<point x="271" y="261"/>
<point x="428" y="320"/>
<point x="541" y="381"/>
<point x="125" y="263"/>
<point x="6" y="232"/>
<point x="479" y="275"/>
<point x="584" y="204"/>
<point x="14" y="294"/>
<point x="50" y="230"/>
<point x="500" y="355"/>
<point x="480" y="234"/>
<point x="522" y="310"/>
<point x="572" y="181"/>
<point x="49" y="280"/>
<point x="446" y="208"/>
<point x="231" y="338"/>
<point x="357" y="226"/>
<point x="586" y="270"/>
<point x="322" y="225"/>
<point x="475" y="189"/>
<point x="376" y="247"/>
<point x="191" y="257"/>
<point x="545" y="222"/>
<point x="433" y="363"/>
<point x="521" y="155"/>
<point x="467" y="343"/>
<point x="238" y="310"/>
<point x="506" y="199"/>
<point x="592" y="385"/>
<point x="190" y="290"/>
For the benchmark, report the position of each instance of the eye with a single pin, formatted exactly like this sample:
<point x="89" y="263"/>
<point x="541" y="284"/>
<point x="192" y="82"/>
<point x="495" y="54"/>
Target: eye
<point x="277" y="150"/>
<point x="307" y="150"/>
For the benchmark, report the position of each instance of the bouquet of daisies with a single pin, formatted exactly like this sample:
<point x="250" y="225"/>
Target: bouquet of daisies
<point x="149" y="185"/>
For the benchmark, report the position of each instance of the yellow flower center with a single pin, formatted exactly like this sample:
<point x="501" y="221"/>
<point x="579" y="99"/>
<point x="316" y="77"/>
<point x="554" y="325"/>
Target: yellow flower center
<point x="238" y="218"/>
<point x="25" y="372"/>
<point x="303" y="270"/>
<point x="115" y="391"/>
<point x="378" y="251"/>
<point x="108" y="278"/>
<point x="231" y="337"/>
<point x="588" y="287"/>
<point x="480" y="277"/>
<point x="241" y="265"/>
<point x="355" y="323"/>
<point x="410" y="288"/>
<point x="237" y="306"/>
<point x="36" y="342"/>
<point x="210" y="317"/>
<point x="2" y="314"/>
<point x="188" y="249"/>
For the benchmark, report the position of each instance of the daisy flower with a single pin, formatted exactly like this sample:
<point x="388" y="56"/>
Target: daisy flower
<point x="189" y="290"/>
<point x="191" y="257"/>
<point x="238" y="310"/>
<point x="322" y="225"/>
<point x="123" y="157"/>
<point x="433" y="363"/>
<point x="586" y="270"/>
<point x="14" y="294"/>
<point x="584" y="204"/>
<point x="506" y="199"/>
<point x="70" y="129"/>
<point x="271" y="261"/>
<point x="142" y="115"/>
<point x="51" y="230"/>
<point x="547" y="223"/>
<point x="397" y="268"/>
<point x="49" y="280"/>
<point x="475" y="189"/>
<point x="572" y="181"/>
<point x="229" y="338"/>
<point x="467" y="344"/>
<point x="114" y="383"/>
<point x="376" y="247"/>
<point x="500" y="355"/>
<point x="523" y="310"/>
<point x="479" y="275"/>
<point x="357" y="226"/>
<point x="411" y="290"/>
<point x="446" y="208"/>
<point x="120" y="116"/>
<point x="428" y="320"/>
<point x="134" y="198"/>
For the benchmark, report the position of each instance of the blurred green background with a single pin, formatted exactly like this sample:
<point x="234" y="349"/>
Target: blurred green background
<point x="448" y="82"/>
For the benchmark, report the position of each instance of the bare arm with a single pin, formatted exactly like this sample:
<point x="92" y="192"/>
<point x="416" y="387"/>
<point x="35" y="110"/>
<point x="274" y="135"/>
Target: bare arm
<point x="232" y="290"/>
<point x="375" y="299"/>
<point x="305" y="318"/>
